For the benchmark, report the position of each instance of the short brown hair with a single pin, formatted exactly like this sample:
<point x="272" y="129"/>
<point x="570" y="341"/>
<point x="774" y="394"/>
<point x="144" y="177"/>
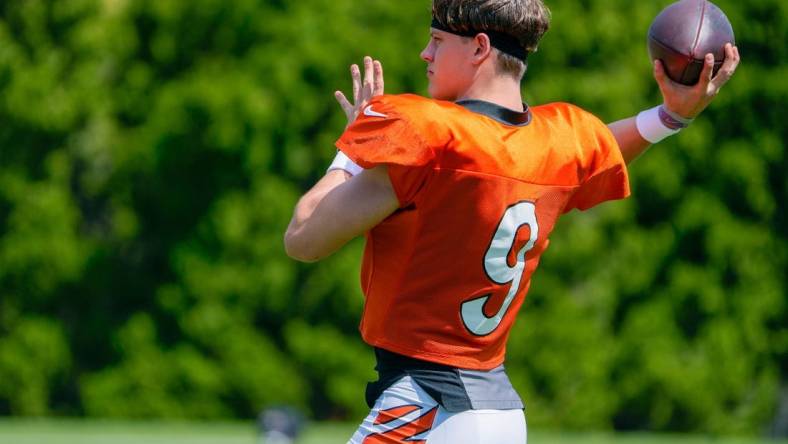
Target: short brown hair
<point x="525" y="20"/>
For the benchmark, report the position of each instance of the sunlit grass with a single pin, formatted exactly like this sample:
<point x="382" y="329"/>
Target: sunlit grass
<point x="13" y="431"/>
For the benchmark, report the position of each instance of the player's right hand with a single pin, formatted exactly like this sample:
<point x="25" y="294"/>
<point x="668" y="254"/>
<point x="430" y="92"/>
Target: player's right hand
<point x="689" y="101"/>
<point x="363" y="92"/>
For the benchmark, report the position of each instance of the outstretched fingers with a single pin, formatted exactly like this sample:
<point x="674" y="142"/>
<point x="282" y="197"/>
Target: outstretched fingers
<point x="355" y="74"/>
<point x="378" y="78"/>
<point x="365" y="87"/>
<point x="344" y="103"/>
<point x="369" y="78"/>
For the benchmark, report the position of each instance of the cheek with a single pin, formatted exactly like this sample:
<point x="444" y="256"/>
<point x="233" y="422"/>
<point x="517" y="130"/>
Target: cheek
<point x="439" y="55"/>
<point x="443" y="62"/>
<point x="443" y="84"/>
<point x="450" y="58"/>
<point x="448" y="63"/>
<point x="446" y="78"/>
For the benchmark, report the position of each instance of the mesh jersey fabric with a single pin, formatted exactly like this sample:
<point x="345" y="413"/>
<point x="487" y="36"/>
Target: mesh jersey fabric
<point x="445" y="274"/>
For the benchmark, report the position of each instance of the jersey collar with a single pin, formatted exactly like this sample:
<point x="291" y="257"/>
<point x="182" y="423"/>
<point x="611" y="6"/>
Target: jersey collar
<point x="497" y="112"/>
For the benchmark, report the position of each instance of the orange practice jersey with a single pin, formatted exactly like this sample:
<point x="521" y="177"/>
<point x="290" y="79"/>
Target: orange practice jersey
<point x="445" y="275"/>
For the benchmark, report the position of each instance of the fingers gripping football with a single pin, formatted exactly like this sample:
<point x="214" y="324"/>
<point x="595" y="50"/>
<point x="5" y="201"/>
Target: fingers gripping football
<point x="364" y="89"/>
<point x="728" y="68"/>
<point x="689" y="101"/>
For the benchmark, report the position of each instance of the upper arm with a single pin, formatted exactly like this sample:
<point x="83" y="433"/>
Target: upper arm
<point x="605" y="174"/>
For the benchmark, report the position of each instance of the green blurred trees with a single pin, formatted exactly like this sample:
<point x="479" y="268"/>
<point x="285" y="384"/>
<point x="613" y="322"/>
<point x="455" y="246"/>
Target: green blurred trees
<point x="151" y="153"/>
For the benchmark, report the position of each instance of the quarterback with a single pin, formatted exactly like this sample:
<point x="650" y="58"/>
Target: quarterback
<point x="457" y="196"/>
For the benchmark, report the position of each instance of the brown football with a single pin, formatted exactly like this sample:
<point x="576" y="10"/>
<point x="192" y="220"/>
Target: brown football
<point x="683" y="33"/>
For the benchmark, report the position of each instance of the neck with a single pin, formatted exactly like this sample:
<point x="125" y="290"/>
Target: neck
<point x="501" y="90"/>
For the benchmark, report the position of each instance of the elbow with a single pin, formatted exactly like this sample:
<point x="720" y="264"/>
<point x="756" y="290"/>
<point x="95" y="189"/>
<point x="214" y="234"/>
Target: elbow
<point x="298" y="248"/>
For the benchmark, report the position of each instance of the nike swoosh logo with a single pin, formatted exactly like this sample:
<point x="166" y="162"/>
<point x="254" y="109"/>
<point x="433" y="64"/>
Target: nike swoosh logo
<point x="369" y="112"/>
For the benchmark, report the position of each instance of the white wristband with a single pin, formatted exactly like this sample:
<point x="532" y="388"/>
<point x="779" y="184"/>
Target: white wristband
<point x="343" y="162"/>
<point x="650" y="126"/>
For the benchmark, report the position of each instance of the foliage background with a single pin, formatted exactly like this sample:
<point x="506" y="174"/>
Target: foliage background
<point x="151" y="153"/>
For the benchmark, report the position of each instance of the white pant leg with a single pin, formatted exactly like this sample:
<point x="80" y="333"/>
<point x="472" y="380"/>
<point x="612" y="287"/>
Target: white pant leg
<point x="406" y="413"/>
<point x="479" y="427"/>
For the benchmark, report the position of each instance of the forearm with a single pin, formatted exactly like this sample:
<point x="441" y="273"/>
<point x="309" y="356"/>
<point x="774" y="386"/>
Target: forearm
<point x="631" y="143"/>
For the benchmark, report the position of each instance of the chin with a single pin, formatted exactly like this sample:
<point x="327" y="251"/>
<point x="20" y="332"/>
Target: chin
<point x="440" y="95"/>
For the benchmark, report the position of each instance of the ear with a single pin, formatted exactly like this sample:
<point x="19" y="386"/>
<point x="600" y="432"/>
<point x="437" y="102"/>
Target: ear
<point x="482" y="48"/>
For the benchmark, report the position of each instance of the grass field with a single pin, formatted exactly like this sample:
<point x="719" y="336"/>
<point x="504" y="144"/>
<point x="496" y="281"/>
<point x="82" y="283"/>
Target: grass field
<point x="99" y="432"/>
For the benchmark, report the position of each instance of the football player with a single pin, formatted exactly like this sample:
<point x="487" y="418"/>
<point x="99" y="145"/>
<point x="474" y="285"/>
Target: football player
<point x="457" y="196"/>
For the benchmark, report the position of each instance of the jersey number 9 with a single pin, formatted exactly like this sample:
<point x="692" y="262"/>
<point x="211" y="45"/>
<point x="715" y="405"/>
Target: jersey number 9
<point x="497" y="267"/>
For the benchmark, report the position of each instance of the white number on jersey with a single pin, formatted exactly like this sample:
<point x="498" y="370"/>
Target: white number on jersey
<point x="498" y="269"/>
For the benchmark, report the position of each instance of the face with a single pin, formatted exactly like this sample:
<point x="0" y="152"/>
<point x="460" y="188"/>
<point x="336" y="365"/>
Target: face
<point x="449" y="67"/>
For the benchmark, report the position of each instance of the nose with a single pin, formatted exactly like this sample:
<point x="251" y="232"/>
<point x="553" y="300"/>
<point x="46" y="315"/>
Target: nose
<point x="427" y="53"/>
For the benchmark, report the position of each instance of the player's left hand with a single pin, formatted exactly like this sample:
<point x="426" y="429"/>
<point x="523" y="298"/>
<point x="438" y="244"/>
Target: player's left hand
<point x="689" y="101"/>
<point x="363" y="92"/>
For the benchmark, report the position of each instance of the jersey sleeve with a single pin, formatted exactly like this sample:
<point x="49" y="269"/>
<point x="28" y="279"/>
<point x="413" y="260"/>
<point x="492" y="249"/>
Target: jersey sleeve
<point x="606" y="175"/>
<point x="384" y="134"/>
